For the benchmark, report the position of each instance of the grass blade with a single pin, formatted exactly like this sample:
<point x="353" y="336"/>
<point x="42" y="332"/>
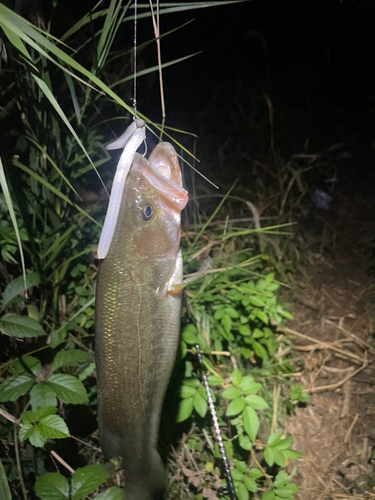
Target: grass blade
<point x="8" y="200"/>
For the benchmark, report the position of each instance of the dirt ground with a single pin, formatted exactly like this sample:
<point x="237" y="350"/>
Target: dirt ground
<point x="334" y="305"/>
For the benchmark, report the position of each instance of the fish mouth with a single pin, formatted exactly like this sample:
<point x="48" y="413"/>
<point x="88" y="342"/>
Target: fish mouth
<point x="163" y="172"/>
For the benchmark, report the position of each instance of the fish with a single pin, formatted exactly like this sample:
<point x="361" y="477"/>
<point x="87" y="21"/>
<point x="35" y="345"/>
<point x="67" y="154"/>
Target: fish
<point x="138" y="303"/>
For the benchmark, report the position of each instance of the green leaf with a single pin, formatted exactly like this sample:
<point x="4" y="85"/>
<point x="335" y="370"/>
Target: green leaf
<point x="237" y="475"/>
<point x="4" y="485"/>
<point x="255" y="473"/>
<point x="53" y="427"/>
<point x="35" y="436"/>
<point x="244" y="330"/>
<point x="231" y="311"/>
<point x="114" y="493"/>
<point x="269" y="456"/>
<point x="250" y="422"/>
<point x="185" y="409"/>
<point x="241" y="466"/>
<point x="215" y="380"/>
<point x="192" y="382"/>
<point x="284" y="444"/>
<point x="262" y="316"/>
<point x="25" y="431"/>
<point x="283" y="492"/>
<point x="256" y="402"/>
<point x="281" y="479"/>
<point x="219" y="313"/>
<point x="258" y="333"/>
<point x="52" y="486"/>
<point x="268" y="495"/>
<point x="242" y="492"/>
<point x="256" y="301"/>
<point x="236" y="377"/>
<point x="279" y="457"/>
<point x="189" y="334"/>
<point x="87" y="479"/>
<point x="259" y="350"/>
<point x="27" y="364"/>
<point x="231" y="393"/>
<point x="85" y="372"/>
<point x="68" y="388"/>
<point x="235" y="406"/>
<point x="274" y="439"/>
<point x="31" y="417"/>
<point x="292" y="454"/>
<point x="244" y="442"/>
<point x="245" y="352"/>
<point x="200" y="404"/>
<point x="18" y="326"/>
<point x="293" y="487"/>
<point x="42" y="395"/>
<point x="187" y="391"/>
<point x="246" y="382"/>
<point x="250" y="484"/>
<point x="226" y="321"/>
<point x="17" y="286"/>
<point x="14" y="387"/>
<point x="71" y="357"/>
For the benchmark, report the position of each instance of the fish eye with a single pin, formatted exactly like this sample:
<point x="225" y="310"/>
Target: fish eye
<point x="147" y="212"/>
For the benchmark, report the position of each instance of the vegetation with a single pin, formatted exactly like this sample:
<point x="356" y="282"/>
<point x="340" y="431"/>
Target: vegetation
<point x="50" y="221"/>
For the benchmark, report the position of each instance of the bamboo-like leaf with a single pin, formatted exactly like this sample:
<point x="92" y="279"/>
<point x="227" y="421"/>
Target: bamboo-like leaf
<point x="53" y="189"/>
<point x="4" y="486"/>
<point x="8" y="201"/>
<point x="53" y="163"/>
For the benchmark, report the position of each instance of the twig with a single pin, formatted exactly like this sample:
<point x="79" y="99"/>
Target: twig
<point x="268" y="479"/>
<point x="323" y="344"/>
<point x="19" y="470"/>
<point x="338" y="384"/>
<point x="95" y="448"/>
<point x="351" y="335"/>
<point x="62" y="461"/>
<point x="8" y="416"/>
<point x="221" y="269"/>
<point x="156" y="25"/>
<point x="276" y="397"/>
<point x="351" y="428"/>
<point x="79" y="344"/>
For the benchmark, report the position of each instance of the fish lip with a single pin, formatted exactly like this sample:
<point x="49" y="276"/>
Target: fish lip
<point x="173" y="194"/>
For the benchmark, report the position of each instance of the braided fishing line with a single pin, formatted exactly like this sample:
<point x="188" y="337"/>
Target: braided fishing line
<point x="230" y="491"/>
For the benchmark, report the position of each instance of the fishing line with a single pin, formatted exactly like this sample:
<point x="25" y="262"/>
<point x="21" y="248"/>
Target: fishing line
<point x="134" y="99"/>
<point x="229" y="490"/>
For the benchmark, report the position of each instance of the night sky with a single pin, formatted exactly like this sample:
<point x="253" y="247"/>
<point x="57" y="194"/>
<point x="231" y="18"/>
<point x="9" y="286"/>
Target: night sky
<point x="320" y="56"/>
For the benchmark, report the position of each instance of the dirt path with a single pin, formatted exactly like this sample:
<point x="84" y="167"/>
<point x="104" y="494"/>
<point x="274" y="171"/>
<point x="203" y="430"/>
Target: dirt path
<point x="334" y="302"/>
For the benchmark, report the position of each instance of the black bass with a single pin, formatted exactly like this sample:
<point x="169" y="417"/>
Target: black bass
<point x="138" y="313"/>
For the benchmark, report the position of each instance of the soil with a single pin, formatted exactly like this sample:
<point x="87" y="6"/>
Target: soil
<point x="334" y="305"/>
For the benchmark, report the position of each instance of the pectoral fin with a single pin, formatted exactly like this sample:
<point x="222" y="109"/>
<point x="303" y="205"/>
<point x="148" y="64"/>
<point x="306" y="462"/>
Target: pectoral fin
<point x="176" y="288"/>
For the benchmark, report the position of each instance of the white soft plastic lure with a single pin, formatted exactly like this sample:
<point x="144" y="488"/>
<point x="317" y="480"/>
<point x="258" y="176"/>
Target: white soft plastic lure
<point x="130" y="140"/>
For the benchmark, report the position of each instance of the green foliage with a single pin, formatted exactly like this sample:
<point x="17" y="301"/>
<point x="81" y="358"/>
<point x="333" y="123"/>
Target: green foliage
<point x="86" y="480"/>
<point x="298" y="393"/>
<point x="43" y="424"/>
<point x="52" y="151"/>
<point x="238" y="315"/>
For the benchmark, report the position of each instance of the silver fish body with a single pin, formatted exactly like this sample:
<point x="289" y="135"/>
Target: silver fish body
<point x="138" y="318"/>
